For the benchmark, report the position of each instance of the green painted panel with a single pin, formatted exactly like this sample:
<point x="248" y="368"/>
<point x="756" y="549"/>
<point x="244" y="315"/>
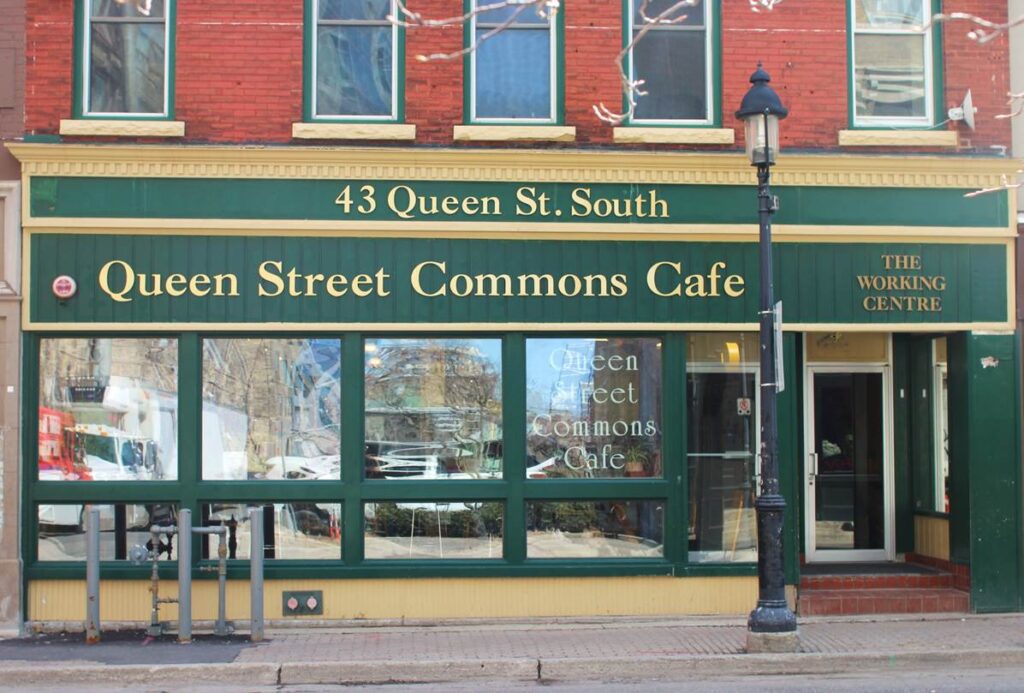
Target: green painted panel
<point x="378" y="200"/>
<point x="220" y="280"/>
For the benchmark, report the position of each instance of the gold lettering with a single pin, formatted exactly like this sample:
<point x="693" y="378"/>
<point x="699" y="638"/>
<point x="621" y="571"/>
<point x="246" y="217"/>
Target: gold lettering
<point x="172" y="284"/>
<point x="619" y="285"/>
<point x="197" y="285"/>
<point x="695" y="285"/>
<point x="581" y="197"/>
<point x="487" y="285"/>
<point x="536" y="280"/>
<point x="414" y="278"/>
<point x="129" y="280"/>
<point x="410" y="201"/>
<point x="652" y="279"/>
<point x="336" y="285"/>
<point x="220" y="279"/>
<point x="272" y="277"/>
<point x="526" y="205"/>
<point x="733" y="286"/>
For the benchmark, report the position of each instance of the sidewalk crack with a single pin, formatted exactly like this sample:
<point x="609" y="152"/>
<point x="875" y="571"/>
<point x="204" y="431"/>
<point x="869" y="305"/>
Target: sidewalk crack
<point x="538" y="669"/>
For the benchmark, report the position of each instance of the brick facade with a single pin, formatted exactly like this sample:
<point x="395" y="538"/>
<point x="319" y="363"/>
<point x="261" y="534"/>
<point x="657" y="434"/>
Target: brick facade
<point x="239" y="76"/>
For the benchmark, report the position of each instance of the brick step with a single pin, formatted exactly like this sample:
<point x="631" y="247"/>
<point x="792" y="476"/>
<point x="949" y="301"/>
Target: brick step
<point x="822" y="602"/>
<point x="935" y="580"/>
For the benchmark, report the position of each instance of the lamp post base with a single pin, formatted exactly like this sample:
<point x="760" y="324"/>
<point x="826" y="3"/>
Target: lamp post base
<point x="759" y="643"/>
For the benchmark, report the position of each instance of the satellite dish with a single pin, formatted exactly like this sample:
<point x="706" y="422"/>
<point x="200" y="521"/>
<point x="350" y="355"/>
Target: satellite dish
<point x="965" y="111"/>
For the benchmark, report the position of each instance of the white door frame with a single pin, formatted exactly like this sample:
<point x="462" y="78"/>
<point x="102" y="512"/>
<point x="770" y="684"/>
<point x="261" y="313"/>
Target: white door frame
<point x="811" y="553"/>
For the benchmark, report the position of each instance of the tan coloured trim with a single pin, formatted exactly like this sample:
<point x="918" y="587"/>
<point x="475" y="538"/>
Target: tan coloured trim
<point x="124" y="128"/>
<point x="513" y="230"/>
<point x="531" y="165"/>
<point x="353" y="131"/>
<point x="668" y="135"/>
<point x="898" y="138"/>
<point x="514" y="133"/>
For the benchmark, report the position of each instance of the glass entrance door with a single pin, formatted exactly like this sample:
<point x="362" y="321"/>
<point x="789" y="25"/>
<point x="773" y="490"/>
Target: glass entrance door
<point x="848" y="479"/>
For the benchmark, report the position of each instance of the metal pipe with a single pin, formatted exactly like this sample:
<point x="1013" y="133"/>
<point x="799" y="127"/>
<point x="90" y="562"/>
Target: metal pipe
<point x="92" y="576"/>
<point x="256" y="574"/>
<point x="184" y="577"/>
<point x="155" y="532"/>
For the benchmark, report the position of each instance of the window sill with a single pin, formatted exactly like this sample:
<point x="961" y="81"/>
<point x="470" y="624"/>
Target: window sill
<point x="898" y="138"/>
<point x="353" y="131"/>
<point x="514" y="133"/>
<point x="124" y="128"/>
<point x="671" y="135"/>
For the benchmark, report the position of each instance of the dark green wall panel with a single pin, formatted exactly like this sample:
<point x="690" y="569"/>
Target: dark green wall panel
<point x="818" y="282"/>
<point x="219" y="198"/>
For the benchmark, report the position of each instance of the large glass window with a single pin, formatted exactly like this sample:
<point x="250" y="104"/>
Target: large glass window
<point x="296" y="530"/>
<point x="108" y="409"/>
<point x="513" y="73"/>
<point x="595" y="529"/>
<point x="271" y="408"/>
<point x="433" y="530"/>
<point x="433" y="408"/>
<point x="593" y="407"/>
<point x="62" y="528"/>
<point x="126" y="58"/>
<point x="673" y="60"/>
<point x="355" y="59"/>
<point x="892" y="62"/>
<point x="722" y="438"/>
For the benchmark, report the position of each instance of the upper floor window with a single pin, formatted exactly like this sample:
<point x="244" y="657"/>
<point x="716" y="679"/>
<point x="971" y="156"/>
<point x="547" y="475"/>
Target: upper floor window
<point x="354" y="60"/>
<point x="513" y="75"/>
<point x="126" y="57"/>
<point x="891" y="57"/>
<point x="674" y="61"/>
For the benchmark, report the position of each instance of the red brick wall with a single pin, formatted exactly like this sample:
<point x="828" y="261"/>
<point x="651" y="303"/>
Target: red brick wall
<point x="239" y="74"/>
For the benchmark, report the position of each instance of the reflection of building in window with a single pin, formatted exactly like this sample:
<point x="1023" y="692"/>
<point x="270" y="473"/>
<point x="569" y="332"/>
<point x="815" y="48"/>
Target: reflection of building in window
<point x="271" y="408"/>
<point x="108" y="409"/>
<point x="433" y="408"/>
<point x="126" y="57"/>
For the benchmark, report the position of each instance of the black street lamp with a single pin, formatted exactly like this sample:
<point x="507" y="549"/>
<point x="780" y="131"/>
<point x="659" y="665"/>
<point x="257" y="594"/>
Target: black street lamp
<point x="771" y="626"/>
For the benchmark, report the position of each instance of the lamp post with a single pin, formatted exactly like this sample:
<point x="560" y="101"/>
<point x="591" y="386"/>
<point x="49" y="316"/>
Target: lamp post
<point x="771" y="626"/>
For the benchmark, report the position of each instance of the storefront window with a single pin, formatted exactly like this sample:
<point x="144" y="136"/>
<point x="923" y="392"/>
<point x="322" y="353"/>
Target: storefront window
<point x="108" y="409"/>
<point x="298" y="530"/>
<point x="62" y="529"/>
<point x="433" y="530"/>
<point x="722" y="438"/>
<point x="595" y="529"/>
<point x="433" y="409"/>
<point x="593" y="407"/>
<point x="941" y="399"/>
<point x="271" y="409"/>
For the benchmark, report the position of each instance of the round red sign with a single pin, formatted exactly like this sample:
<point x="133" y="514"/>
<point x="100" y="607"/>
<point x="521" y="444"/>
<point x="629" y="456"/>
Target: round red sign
<point x="64" y="287"/>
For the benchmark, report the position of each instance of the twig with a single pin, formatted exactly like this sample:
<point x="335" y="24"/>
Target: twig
<point x="984" y="30"/>
<point x="1006" y="185"/>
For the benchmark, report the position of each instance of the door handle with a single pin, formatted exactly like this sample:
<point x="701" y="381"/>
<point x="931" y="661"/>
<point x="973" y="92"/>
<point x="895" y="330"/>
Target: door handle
<point x="812" y="471"/>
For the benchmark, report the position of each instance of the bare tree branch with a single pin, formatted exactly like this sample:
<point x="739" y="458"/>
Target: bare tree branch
<point x="984" y="30"/>
<point x="1005" y="185"/>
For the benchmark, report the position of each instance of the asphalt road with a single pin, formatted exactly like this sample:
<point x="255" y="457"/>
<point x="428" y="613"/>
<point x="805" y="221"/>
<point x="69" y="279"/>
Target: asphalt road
<point x="935" y="680"/>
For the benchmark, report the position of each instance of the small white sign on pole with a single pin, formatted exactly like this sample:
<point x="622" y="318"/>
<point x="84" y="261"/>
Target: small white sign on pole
<point x="780" y="371"/>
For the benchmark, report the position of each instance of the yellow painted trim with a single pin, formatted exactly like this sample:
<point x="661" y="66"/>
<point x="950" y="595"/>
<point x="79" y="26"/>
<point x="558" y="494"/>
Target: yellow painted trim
<point x="547" y="165"/>
<point x="510" y="229"/>
<point x="415" y="598"/>
<point x="637" y="135"/>
<point x="509" y="326"/>
<point x="124" y="128"/>
<point x="898" y="138"/>
<point x="353" y="131"/>
<point x="931" y="536"/>
<point x="514" y="133"/>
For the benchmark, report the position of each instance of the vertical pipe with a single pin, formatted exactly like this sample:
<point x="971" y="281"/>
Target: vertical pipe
<point x="184" y="575"/>
<point x="256" y="574"/>
<point x="222" y="582"/>
<point x="92" y="576"/>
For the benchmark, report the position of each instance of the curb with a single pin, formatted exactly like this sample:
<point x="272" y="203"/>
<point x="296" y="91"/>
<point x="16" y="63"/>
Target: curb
<point x="519" y="669"/>
<point x="147" y="674"/>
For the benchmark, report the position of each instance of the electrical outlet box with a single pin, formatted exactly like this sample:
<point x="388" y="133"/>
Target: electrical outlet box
<point x="308" y="603"/>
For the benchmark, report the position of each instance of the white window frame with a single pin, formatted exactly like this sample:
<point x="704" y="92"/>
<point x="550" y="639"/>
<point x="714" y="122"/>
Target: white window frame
<point x="169" y="12"/>
<point x="929" y="77"/>
<point x="709" y="67"/>
<point x="395" y="76"/>
<point x="552" y="73"/>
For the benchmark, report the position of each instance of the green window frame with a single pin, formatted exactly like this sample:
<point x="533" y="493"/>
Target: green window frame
<point x="352" y="491"/>
<point x="311" y="106"/>
<point x="83" y="47"/>
<point x="556" y="68"/>
<point x="931" y="64"/>
<point x="712" y="65"/>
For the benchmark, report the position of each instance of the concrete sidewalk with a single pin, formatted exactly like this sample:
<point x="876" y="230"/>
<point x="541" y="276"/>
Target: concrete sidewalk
<point x="614" y="649"/>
